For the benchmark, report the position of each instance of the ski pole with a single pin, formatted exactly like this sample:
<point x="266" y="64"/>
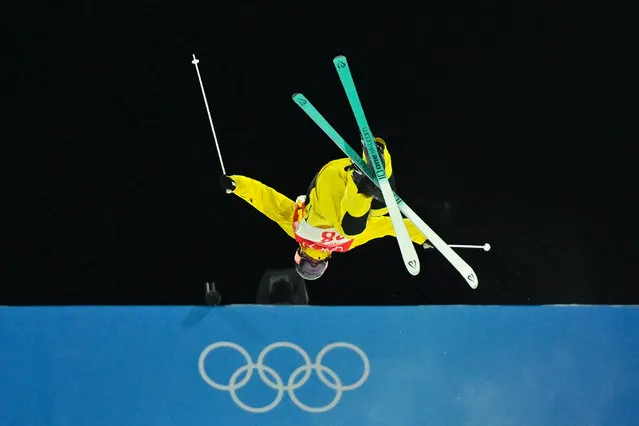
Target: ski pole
<point x="217" y="145"/>
<point x="486" y="246"/>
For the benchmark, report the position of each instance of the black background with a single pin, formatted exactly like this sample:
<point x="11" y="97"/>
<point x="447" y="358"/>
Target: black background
<point x="507" y="124"/>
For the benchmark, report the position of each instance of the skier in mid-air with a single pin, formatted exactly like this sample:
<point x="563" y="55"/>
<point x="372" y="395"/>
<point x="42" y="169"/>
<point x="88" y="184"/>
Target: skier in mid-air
<point x="342" y="209"/>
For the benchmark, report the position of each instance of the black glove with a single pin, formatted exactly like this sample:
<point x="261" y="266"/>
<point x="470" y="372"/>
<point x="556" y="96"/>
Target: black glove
<point x="228" y="185"/>
<point x="365" y="186"/>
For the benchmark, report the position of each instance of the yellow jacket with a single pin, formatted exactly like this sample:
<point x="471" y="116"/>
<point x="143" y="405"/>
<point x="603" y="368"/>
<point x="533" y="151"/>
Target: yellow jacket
<point x="332" y="216"/>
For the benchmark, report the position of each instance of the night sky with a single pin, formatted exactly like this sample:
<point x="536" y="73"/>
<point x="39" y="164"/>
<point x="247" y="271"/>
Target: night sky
<point x="507" y="124"/>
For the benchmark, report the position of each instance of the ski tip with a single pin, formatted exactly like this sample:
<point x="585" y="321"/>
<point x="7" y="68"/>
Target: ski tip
<point x="413" y="267"/>
<point x="299" y="99"/>
<point x="472" y="280"/>
<point x="340" y="61"/>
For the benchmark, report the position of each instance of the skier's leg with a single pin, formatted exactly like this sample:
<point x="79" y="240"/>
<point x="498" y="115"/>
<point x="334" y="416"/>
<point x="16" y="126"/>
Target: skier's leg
<point x="347" y="195"/>
<point x="335" y="201"/>
<point x="277" y="207"/>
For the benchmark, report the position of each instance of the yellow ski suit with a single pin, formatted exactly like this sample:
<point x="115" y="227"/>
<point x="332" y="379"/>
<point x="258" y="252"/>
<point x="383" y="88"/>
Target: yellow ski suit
<point x="332" y="210"/>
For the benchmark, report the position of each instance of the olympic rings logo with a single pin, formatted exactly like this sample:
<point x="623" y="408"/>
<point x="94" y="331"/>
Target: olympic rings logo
<point x="276" y="382"/>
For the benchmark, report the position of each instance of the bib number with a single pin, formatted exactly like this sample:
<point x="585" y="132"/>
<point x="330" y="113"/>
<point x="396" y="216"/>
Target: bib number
<point x="321" y="239"/>
<point x="331" y="236"/>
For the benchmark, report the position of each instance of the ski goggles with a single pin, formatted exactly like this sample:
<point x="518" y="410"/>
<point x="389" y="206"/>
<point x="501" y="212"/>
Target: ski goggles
<point x="307" y="268"/>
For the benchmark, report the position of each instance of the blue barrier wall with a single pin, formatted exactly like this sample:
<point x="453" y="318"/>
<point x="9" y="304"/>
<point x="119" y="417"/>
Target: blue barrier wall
<point x="250" y="365"/>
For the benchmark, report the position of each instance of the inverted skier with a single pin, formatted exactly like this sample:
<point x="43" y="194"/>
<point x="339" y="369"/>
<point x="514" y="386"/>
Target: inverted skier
<point x="342" y="209"/>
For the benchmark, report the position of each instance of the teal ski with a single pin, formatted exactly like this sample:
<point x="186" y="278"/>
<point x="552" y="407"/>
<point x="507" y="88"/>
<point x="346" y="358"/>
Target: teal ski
<point x="411" y="260"/>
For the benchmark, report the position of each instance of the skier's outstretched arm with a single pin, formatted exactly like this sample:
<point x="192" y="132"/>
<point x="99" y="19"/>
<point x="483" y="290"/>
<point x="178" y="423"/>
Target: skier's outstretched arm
<point x="382" y="226"/>
<point x="277" y="207"/>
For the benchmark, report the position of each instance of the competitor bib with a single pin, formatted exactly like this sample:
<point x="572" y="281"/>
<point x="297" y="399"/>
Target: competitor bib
<point x="324" y="239"/>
